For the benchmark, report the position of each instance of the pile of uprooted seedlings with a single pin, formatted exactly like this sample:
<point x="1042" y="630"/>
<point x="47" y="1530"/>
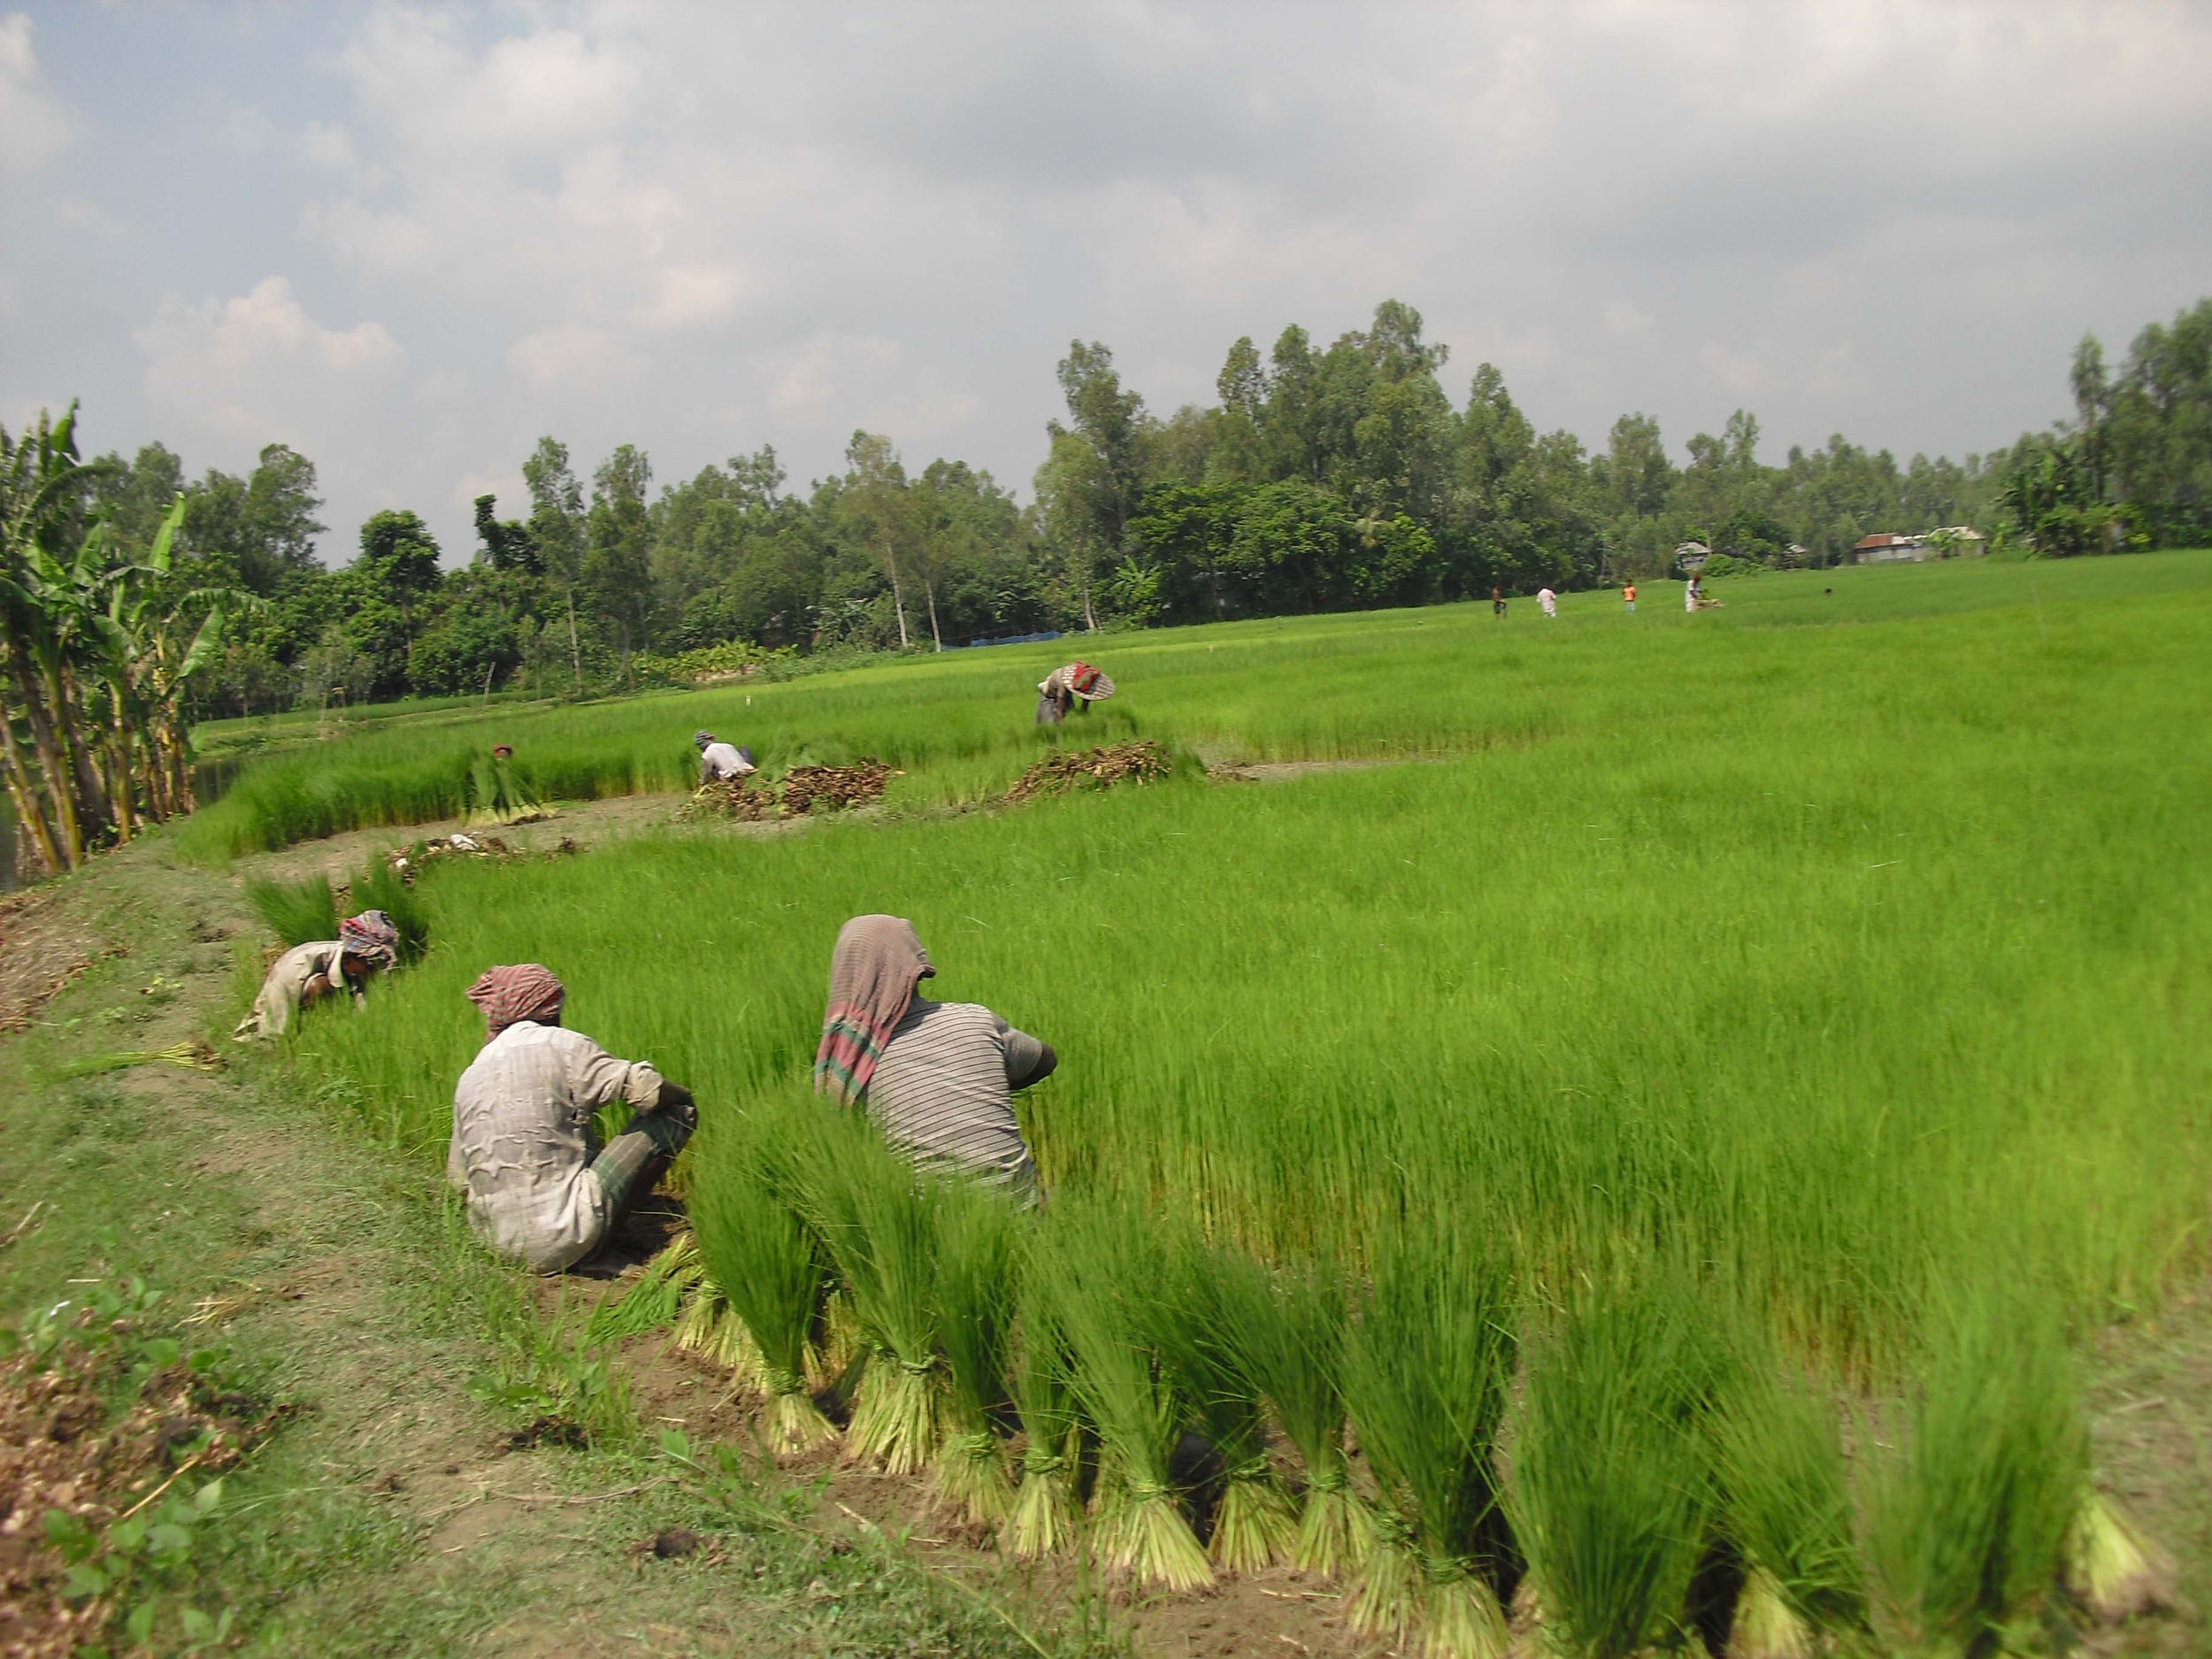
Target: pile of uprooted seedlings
<point x="1067" y="770"/>
<point x="408" y="860"/>
<point x="802" y="789"/>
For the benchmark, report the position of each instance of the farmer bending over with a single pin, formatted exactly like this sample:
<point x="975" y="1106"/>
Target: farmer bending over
<point x="718" y="760"/>
<point x="937" y="1078"/>
<point x="540" y="1188"/>
<point x="1071" y="686"/>
<point x="365" y="944"/>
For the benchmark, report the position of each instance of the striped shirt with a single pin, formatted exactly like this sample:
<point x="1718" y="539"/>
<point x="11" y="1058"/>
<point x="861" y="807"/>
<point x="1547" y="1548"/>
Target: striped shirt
<point x="943" y="1091"/>
<point x="523" y="1142"/>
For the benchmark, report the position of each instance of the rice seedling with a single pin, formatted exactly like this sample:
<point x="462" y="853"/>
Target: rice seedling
<point x="193" y="1053"/>
<point x="2111" y="1568"/>
<point x="763" y="1262"/>
<point x="1427" y="1363"/>
<point x="297" y="912"/>
<point x="878" y="1218"/>
<point x="1255" y="1525"/>
<point x="974" y="1298"/>
<point x="380" y="887"/>
<point x="1044" y="1518"/>
<point x="1968" y="1518"/>
<point x="1101" y="1271"/>
<point x="1286" y="1330"/>
<point x="1611" y="1488"/>
<point x="654" y="1301"/>
<point x="1785" y="1506"/>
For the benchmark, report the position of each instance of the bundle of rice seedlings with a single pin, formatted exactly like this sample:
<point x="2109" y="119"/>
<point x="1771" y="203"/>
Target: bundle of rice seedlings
<point x="1968" y="1520"/>
<point x="1101" y="1272"/>
<point x="709" y="1326"/>
<point x="1286" y="1329"/>
<point x="193" y="1053"/>
<point x="1427" y="1364"/>
<point x="1785" y="1505"/>
<point x="762" y="1263"/>
<point x="297" y="912"/>
<point x="974" y="1298"/>
<point x="1044" y="1518"/>
<point x="2111" y="1569"/>
<point x="1612" y="1484"/>
<point x="878" y="1217"/>
<point x="656" y="1299"/>
<point x="1254" y="1524"/>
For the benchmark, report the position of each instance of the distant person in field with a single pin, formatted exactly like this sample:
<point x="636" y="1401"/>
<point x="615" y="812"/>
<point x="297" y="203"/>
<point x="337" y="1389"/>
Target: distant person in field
<point x="1548" y="599"/>
<point x="367" y="943"/>
<point x="1071" y="686"/>
<point x="541" y="1189"/>
<point x="1497" y="602"/>
<point x="937" y="1079"/>
<point x="1628" y="596"/>
<point x="719" y="761"/>
<point x="1691" y="593"/>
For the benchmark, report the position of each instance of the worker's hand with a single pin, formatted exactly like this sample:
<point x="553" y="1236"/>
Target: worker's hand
<point x="676" y="1100"/>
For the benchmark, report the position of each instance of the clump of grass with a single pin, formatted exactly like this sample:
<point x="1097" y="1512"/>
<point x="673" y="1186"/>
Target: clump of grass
<point x="297" y="912"/>
<point x="1102" y="1273"/>
<point x="1287" y="1328"/>
<point x="1968" y="1519"/>
<point x="1044" y="1518"/>
<point x="1612" y="1484"/>
<point x="1785" y="1505"/>
<point x="765" y="1265"/>
<point x="1427" y="1365"/>
<point x="878" y="1217"/>
<point x="974" y="1297"/>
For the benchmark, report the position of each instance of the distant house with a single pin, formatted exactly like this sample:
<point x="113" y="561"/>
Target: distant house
<point x="1691" y="556"/>
<point x="1957" y="538"/>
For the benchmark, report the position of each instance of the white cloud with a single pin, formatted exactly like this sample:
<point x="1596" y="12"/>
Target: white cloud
<point x="829" y="366"/>
<point x="35" y="126"/>
<point x="572" y="358"/>
<point x="328" y="145"/>
<point x="257" y="367"/>
<point x="1624" y="319"/>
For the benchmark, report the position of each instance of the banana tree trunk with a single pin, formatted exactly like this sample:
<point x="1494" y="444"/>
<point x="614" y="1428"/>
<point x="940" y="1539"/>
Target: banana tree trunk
<point x="69" y="834"/>
<point x="30" y="812"/>
<point x="94" y="810"/>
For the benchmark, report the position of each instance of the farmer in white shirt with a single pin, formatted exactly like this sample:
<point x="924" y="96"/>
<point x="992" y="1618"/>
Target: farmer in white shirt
<point x="718" y="760"/>
<point x="541" y="1189"/>
<point x="1548" y="599"/>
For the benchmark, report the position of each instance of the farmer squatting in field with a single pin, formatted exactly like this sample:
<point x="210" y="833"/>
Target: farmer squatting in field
<point x="718" y="760"/>
<point x="540" y="1189"/>
<point x="936" y="1077"/>
<point x="306" y="973"/>
<point x="1073" y="685"/>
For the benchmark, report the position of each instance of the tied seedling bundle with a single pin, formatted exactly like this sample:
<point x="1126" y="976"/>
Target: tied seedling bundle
<point x="1612" y="1484"/>
<point x="878" y="1217"/>
<point x="1044" y="1518"/>
<point x="975" y="1296"/>
<point x="1287" y="1328"/>
<point x="1428" y="1362"/>
<point x="766" y="1263"/>
<point x="1102" y="1268"/>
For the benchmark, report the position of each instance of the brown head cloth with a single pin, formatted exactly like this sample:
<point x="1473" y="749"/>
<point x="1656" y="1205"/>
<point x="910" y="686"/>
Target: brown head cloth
<point x="878" y="961"/>
<point x="512" y="995"/>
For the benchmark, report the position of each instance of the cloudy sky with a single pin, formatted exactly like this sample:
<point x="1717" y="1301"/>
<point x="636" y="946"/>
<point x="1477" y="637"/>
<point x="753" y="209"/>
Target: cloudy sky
<point x="408" y="240"/>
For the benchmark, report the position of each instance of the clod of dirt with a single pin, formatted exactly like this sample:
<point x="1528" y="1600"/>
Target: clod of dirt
<point x="671" y="1543"/>
<point x="803" y="789"/>
<point x="542" y="1430"/>
<point x="1068" y="770"/>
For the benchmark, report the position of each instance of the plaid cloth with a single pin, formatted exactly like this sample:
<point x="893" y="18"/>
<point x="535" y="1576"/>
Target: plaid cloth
<point x="511" y="995"/>
<point x="370" y="937"/>
<point x="877" y="963"/>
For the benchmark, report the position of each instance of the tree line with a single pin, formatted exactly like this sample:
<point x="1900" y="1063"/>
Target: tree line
<point x="1324" y="477"/>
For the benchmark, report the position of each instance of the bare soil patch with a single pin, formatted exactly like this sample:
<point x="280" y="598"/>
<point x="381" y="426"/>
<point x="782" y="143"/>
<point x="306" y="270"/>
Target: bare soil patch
<point x="44" y="943"/>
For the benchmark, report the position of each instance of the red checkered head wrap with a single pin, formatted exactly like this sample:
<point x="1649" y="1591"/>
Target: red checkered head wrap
<point x="877" y="963"/>
<point x="370" y="937"/>
<point x="510" y="996"/>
